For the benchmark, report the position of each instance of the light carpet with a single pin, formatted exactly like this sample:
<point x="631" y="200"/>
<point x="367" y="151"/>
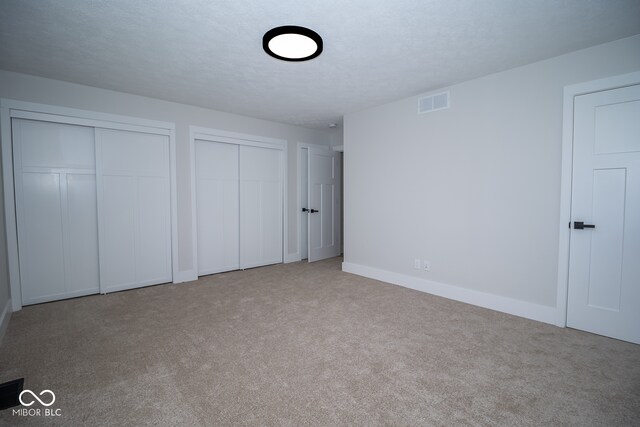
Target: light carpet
<point x="306" y="344"/>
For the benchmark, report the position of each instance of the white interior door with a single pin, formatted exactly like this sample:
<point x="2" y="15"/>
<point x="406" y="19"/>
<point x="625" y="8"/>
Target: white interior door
<point x="134" y="209"/>
<point x="261" y="210"/>
<point x="217" y="206"/>
<point x="604" y="269"/>
<point x="54" y="167"/>
<point x="324" y="204"/>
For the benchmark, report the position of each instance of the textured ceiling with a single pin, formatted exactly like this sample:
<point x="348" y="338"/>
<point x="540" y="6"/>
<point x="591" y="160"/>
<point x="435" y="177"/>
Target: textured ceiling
<point x="209" y="52"/>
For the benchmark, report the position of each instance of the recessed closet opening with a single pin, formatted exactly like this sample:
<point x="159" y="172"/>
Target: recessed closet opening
<point x="239" y="201"/>
<point x="90" y="202"/>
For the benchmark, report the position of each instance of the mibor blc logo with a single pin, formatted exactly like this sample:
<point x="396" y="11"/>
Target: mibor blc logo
<point x="45" y="398"/>
<point x="24" y="400"/>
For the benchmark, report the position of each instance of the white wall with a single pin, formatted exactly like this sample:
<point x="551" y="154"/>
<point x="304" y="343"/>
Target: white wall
<point x="337" y="136"/>
<point x="474" y="189"/>
<point x="45" y="91"/>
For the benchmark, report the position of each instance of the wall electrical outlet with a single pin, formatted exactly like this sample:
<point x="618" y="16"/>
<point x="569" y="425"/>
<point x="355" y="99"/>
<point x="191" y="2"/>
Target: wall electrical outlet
<point x="416" y="264"/>
<point x="427" y="265"/>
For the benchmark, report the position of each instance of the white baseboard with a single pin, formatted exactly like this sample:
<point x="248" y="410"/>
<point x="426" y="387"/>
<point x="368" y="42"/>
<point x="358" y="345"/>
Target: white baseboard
<point x="5" y="315"/>
<point x="295" y="257"/>
<point x="185" y="276"/>
<point x="541" y="313"/>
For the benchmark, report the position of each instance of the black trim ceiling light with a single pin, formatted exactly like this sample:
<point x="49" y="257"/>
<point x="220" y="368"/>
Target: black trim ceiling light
<point x="292" y="43"/>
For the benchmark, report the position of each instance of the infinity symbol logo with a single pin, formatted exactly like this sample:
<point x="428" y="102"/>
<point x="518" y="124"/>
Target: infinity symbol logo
<point x="53" y="398"/>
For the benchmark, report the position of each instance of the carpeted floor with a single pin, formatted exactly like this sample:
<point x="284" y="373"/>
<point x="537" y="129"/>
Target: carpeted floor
<point x="306" y="344"/>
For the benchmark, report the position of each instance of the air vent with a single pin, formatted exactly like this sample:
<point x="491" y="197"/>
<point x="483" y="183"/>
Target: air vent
<point x="438" y="101"/>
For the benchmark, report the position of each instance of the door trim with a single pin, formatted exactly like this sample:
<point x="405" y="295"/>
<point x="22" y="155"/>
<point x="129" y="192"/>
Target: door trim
<point x="570" y="92"/>
<point x="218" y="135"/>
<point x="10" y="108"/>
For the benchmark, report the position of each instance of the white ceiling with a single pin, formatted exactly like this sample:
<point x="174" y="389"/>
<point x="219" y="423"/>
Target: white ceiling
<point x="209" y="52"/>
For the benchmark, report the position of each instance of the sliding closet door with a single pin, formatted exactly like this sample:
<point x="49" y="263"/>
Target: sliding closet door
<point x="134" y="209"/>
<point x="54" y="167"/>
<point x="260" y="206"/>
<point x="217" y="206"/>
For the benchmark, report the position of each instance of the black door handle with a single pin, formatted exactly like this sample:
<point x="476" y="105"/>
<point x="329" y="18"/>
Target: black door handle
<point x="579" y="225"/>
<point x="305" y="210"/>
<point x="313" y="210"/>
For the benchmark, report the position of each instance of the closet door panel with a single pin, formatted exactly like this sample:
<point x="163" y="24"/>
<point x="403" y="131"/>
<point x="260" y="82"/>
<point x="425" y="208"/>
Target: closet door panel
<point x="260" y="164"/>
<point x="207" y="210"/>
<point x="54" y="171"/>
<point x="55" y="145"/>
<point x="251" y="236"/>
<point x="230" y="233"/>
<point x="218" y="226"/>
<point x="134" y="153"/>
<point x="117" y="232"/>
<point x="216" y="160"/>
<point x="81" y="234"/>
<point x="41" y="239"/>
<point x="260" y="206"/>
<point x="151" y="239"/>
<point x="134" y="209"/>
<point x="217" y="207"/>
<point x="272" y="219"/>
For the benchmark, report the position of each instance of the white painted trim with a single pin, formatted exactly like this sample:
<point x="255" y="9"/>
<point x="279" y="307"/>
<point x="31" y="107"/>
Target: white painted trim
<point x="173" y="176"/>
<point x="338" y="148"/>
<point x="12" y="108"/>
<point x="541" y="313"/>
<point x="570" y="92"/>
<point x="194" y="213"/>
<point x="10" y="209"/>
<point x="99" y="124"/>
<point x="97" y="143"/>
<point x="217" y="135"/>
<point x="5" y="316"/>
<point x="299" y="147"/>
<point x="285" y="202"/>
<point x="16" y="106"/>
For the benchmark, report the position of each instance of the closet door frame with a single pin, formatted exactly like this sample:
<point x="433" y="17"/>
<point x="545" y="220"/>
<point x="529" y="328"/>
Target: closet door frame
<point x="10" y="109"/>
<point x="217" y="135"/>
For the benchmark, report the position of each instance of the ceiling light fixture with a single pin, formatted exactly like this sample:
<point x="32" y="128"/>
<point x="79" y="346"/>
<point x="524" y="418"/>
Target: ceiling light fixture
<point x="292" y="43"/>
